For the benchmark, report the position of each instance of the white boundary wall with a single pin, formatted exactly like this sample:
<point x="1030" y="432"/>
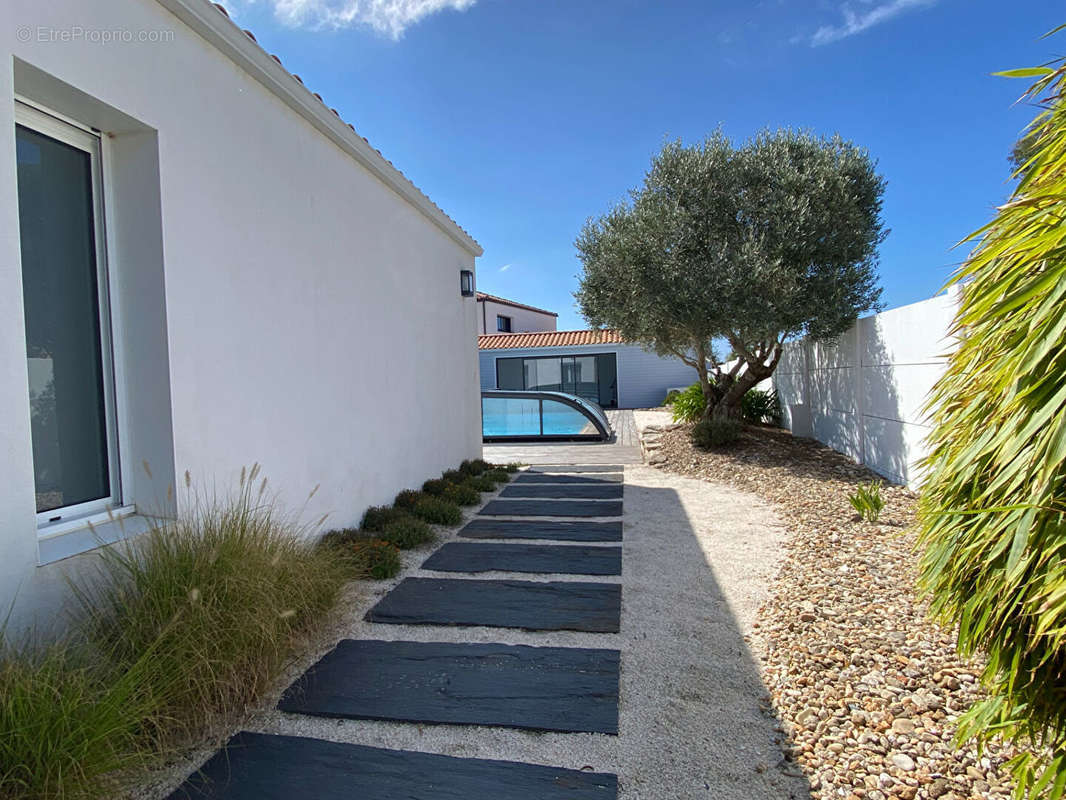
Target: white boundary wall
<point x="865" y="394"/>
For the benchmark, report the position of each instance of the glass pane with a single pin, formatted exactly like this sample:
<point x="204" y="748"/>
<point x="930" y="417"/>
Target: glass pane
<point x="510" y="416"/>
<point x="585" y="378"/>
<point x="562" y="420"/>
<point x="549" y="375"/>
<point x="509" y="373"/>
<point x="68" y="423"/>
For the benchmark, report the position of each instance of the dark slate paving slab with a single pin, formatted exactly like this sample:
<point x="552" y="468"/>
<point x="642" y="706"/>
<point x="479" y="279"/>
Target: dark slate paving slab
<point x="255" y="766"/>
<point x="560" y="689"/>
<point x="538" y="529"/>
<point x="559" y="477"/>
<point x="545" y="558"/>
<point x="576" y="468"/>
<point x="529" y="605"/>
<point x="552" y="508"/>
<point x="610" y="491"/>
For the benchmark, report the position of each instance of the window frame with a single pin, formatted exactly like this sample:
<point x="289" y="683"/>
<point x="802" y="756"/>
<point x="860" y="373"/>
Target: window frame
<point x="65" y="518"/>
<point x="510" y="323"/>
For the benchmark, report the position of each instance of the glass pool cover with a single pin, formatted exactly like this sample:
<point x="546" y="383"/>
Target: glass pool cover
<point x="513" y="415"/>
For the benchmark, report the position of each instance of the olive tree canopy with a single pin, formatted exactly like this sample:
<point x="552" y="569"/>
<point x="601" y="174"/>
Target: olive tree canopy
<point x="753" y="245"/>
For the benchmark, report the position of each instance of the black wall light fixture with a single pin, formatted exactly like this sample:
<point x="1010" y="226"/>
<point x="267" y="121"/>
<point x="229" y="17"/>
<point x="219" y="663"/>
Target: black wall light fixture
<point x="466" y="282"/>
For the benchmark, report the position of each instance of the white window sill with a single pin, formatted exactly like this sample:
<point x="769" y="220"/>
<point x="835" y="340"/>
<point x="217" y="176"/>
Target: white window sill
<point x="76" y="536"/>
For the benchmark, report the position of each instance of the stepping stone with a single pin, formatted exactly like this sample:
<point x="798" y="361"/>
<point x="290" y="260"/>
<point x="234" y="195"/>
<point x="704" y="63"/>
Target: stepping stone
<point x="556" y="531"/>
<point x="552" y="508"/>
<point x="559" y="477"/>
<point x="256" y="766"/>
<point x="529" y="605"/>
<point x="554" y="468"/>
<point x="567" y="690"/>
<point x="610" y="491"/>
<point x="545" y="558"/>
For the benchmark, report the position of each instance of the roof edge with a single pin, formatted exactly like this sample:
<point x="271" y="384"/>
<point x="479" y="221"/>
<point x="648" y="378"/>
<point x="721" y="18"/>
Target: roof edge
<point x="215" y="26"/>
<point x="514" y="304"/>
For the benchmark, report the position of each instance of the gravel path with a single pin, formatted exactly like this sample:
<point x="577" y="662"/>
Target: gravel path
<point x="869" y="689"/>
<point x="697" y="564"/>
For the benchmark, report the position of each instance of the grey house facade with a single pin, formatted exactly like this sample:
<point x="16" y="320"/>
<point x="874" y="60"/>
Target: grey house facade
<point x="595" y="364"/>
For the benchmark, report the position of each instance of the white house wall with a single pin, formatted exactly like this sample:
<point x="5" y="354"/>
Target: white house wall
<point x="306" y="316"/>
<point x="865" y="394"/>
<point x="523" y="320"/>
<point x="643" y="377"/>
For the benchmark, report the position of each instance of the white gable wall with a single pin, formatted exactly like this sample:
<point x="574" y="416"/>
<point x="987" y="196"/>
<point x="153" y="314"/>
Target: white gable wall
<point x="288" y="279"/>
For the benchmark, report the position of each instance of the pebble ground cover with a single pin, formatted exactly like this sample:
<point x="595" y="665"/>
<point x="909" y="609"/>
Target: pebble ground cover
<point x="867" y="689"/>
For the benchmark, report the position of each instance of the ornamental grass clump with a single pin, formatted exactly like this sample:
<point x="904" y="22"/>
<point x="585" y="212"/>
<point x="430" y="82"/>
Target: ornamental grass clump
<point x="208" y="607"/>
<point x="715" y="432"/>
<point x="70" y="721"/>
<point x="993" y="503"/>
<point x="689" y="405"/>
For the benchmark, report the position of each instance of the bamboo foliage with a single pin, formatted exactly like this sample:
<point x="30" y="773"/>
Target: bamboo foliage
<point x="993" y="507"/>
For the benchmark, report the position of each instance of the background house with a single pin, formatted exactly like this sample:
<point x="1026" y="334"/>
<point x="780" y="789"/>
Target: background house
<point x="499" y="315"/>
<point x="595" y="364"/>
<point x="202" y="266"/>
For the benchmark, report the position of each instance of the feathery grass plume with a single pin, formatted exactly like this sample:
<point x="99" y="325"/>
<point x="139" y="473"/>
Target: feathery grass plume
<point x="993" y="505"/>
<point x="219" y="597"/>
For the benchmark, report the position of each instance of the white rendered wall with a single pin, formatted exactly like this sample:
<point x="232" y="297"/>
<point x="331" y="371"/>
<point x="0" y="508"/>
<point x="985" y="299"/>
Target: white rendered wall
<point x="864" y="395"/>
<point x="643" y="377"/>
<point x="522" y="319"/>
<point x="292" y="277"/>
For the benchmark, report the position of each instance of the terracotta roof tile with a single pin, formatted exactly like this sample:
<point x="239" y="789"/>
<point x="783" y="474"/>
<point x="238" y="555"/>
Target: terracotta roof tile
<point x="507" y="341"/>
<point x="512" y="303"/>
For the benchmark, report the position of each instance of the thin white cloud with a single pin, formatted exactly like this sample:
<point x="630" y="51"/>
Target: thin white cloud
<point x="388" y="17"/>
<point x="864" y="19"/>
<point x="505" y="267"/>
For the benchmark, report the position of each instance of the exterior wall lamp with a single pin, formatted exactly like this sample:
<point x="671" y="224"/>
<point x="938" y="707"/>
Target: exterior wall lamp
<point x="466" y="282"/>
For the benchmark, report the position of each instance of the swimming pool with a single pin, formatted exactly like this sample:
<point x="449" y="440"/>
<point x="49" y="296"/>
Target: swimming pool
<point x="534" y="415"/>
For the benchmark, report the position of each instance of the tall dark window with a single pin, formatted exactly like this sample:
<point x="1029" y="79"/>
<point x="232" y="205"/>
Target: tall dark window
<point x="503" y="324"/>
<point x="593" y="377"/>
<point x="65" y="304"/>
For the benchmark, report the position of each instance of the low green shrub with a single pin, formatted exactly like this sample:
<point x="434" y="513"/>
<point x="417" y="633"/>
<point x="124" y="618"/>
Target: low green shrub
<point x="689" y="405"/>
<point x="462" y="494"/>
<point x="481" y="483"/>
<point x="435" y="487"/>
<point x="715" y="432"/>
<point x="377" y="517"/>
<point x="407" y="499"/>
<point x="453" y="476"/>
<point x="867" y="501"/>
<point x="475" y="467"/>
<point x="759" y="407"/>
<point x="497" y="475"/>
<point x="408" y="533"/>
<point x="214" y="602"/>
<point x="375" y="558"/>
<point x="438" y="511"/>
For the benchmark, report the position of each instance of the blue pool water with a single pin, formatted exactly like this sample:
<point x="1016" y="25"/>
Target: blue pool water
<point x="522" y="418"/>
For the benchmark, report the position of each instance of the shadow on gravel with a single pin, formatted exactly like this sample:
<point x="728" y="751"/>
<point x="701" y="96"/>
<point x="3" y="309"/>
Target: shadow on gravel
<point x="696" y="721"/>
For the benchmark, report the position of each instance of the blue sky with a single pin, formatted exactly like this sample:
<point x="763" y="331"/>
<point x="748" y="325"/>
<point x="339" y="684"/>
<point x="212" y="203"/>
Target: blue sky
<point x="521" y="118"/>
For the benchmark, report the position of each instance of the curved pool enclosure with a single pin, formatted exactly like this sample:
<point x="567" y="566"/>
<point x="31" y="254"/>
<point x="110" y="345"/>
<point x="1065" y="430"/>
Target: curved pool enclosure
<point x="541" y="416"/>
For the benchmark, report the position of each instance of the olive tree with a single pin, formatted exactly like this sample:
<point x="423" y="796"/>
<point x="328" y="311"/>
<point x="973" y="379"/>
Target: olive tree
<point x="752" y="245"/>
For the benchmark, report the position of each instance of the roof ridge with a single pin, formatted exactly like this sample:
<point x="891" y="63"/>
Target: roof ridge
<point x="514" y="303"/>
